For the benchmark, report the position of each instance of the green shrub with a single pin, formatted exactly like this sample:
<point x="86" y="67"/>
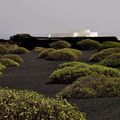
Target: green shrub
<point x="29" y="105"/>
<point x="99" y="56"/>
<point x="45" y="52"/>
<point x="16" y="58"/>
<point x="72" y="64"/>
<point x="3" y="49"/>
<point x="8" y="62"/>
<point x="109" y="44"/>
<point x="112" y="60"/>
<point x="20" y="50"/>
<point x="67" y="73"/>
<point x="92" y="86"/>
<point x="2" y="67"/>
<point x="88" y="44"/>
<point x="11" y="46"/>
<point x="61" y="54"/>
<point x="38" y="49"/>
<point x="60" y="44"/>
<point x="78" y="53"/>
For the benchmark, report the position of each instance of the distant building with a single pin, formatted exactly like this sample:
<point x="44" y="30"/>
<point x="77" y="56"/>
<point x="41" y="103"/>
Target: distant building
<point x="84" y="33"/>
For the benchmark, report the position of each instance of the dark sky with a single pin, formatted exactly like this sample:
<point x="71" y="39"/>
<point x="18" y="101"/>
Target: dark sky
<point x="43" y="16"/>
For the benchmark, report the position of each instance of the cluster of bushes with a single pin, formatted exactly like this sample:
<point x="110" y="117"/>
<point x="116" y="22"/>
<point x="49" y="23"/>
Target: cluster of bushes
<point x="12" y="48"/>
<point x="71" y="71"/>
<point x="29" y="105"/>
<point x="92" y="86"/>
<point x="108" y="57"/>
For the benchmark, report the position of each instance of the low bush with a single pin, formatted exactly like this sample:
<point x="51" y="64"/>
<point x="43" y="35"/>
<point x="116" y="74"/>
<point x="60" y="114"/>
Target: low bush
<point x="11" y="46"/>
<point x="2" y="67"/>
<point x="20" y="50"/>
<point x="99" y="56"/>
<point x="91" y="87"/>
<point x="3" y="49"/>
<point x="61" y="54"/>
<point x="8" y="62"/>
<point x="78" y="53"/>
<point x="38" y="49"/>
<point x="112" y="61"/>
<point x="16" y="58"/>
<point x="29" y="105"/>
<point x="88" y="44"/>
<point x="45" y="52"/>
<point x="72" y="64"/>
<point x="69" y="73"/>
<point x="60" y="44"/>
<point x="109" y="44"/>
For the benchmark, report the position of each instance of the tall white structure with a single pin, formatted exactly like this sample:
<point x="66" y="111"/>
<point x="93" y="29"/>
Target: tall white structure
<point x="84" y="33"/>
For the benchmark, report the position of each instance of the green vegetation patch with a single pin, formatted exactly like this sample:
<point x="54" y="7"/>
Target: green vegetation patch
<point x="62" y="54"/>
<point x="38" y="49"/>
<point x="60" y="44"/>
<point x="8" y="62"/>
<point x="91" y="87"/>
<point x="109" y="44"/>
<point x="3" y="49"/>
<point x="99" y="56"/>
<point x="67" y="73"/>
<point x="29" y="105"/>
<point x="112" y="60"/>
<point x="88" y="44"/>
<point x="45" y="52"/>
<point x="16" y="58"/>
<point x="20" y="50"/>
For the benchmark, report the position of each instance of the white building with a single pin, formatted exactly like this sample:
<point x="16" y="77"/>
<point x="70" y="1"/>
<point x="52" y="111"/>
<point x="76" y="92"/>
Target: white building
<point x="84" y="33"/>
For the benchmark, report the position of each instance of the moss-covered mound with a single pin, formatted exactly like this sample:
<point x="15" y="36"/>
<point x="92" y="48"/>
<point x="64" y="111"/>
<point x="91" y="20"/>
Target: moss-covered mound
<point x="109" y="44"/>
<point x="11" y="46"/>
<point x="38" y="49"/>
<point x="88" y="44"/>
<point x="60" y="44"/>
<point x="8" y="62"/>
<point x="45" y="52"/>
<point x="92" y="86"/>
<point x="112" y="61"/>
<point x="16" y="58"/>
<point x="62" y="54"/>
<point x="3" y="49"/>
<point x="29" y="105"/>
<point x="99" y="56"/>
<point x="70" y="73"/>
<point x="20" y="50"/>
<point x="2" y="67"/>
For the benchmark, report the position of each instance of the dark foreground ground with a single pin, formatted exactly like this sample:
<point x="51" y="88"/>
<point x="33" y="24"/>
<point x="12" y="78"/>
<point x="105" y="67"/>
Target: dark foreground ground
<point x="34" y="74"/>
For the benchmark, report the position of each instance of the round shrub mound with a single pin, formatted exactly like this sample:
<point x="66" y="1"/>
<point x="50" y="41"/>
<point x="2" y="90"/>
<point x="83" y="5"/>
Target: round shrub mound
<point x="99" y="56"/>
<point x="45" y="53"/>
<point x="78" y="53"/>
<point x="8" y="62"/>
<point x="62" y="54"/>
<point x="11" y="46"/>
<point x="3" y="49"/>
<point x="72" y="64"/>
<point x="112" y="61"/>
<point x="20" y="50"/>
<point x="38" y="49"/>
<point x="60" y="44"/>
<point x="29" y="105"/>
<point x="68" y="74"/>
<point x="91" y="87"/>
<point x="109" y="44"/>
<point x="16" y="58"/>
<point x="88" y="44"/>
